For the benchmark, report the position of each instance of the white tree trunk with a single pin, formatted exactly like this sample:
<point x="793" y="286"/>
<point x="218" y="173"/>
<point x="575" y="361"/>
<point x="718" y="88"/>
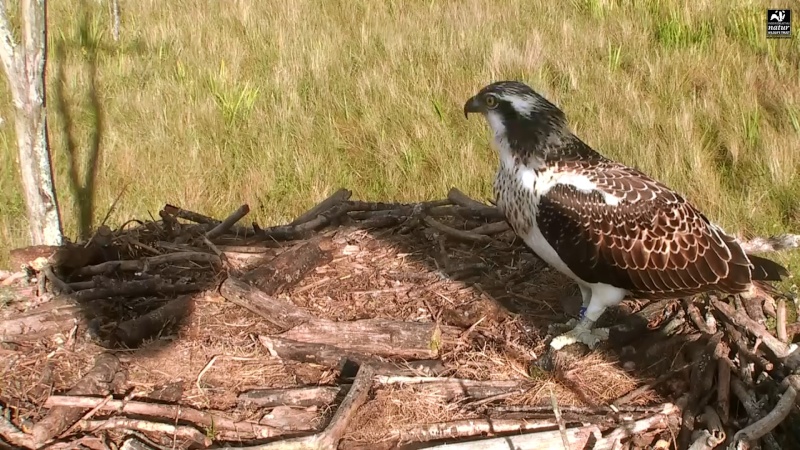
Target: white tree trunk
<point x="24" y="66"/>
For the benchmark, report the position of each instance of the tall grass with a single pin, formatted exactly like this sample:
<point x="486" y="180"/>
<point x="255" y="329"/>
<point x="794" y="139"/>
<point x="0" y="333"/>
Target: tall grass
<point x="212" y="104"/>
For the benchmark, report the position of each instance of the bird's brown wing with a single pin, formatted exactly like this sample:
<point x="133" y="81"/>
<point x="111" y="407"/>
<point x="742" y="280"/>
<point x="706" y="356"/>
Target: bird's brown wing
<point x="652" y="242"/>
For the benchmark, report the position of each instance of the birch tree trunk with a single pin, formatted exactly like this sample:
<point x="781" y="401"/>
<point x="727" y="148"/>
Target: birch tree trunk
<point x="24" y="65"/>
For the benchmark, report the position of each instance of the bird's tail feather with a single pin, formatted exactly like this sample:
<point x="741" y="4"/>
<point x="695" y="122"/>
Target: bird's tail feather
<point x="767" y="270"/>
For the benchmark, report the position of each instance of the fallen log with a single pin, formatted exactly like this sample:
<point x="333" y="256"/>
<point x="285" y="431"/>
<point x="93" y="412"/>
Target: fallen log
<point x="280" y="313"/>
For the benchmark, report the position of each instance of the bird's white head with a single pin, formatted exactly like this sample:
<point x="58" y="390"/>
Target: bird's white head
<point x="517" y="114"/>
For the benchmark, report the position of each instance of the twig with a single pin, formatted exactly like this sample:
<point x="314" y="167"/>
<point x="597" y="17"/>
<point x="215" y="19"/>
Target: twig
<point x="458" y="234"/>
<point x="629" y="429"/>
<point x="62" y="287"/>
<point x="737" y="339"/>
<point x="738" y="318"/>
<point x="88" y="415"/>
<point x="334" y="199"/>
<point x="462" y="199"/>
<point x="329" y="438"/>
<point x="138" y="265"/>
<point x="229" y="221"/>
<point x="771" y="420"/>
<point x="181" y="431"/>
<point x="468" y="428"/>
<point x="780" y="325"/>
<point x="753" y="411"/>
<point x="171" y="412"/>
<point x="543" y="440"/>
<point x="694" y="315"/>
<point x="562" y="428"/>
<point x="491" y="228"/>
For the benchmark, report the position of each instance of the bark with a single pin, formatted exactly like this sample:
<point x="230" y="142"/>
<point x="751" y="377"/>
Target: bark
<point x="24" y="65"/>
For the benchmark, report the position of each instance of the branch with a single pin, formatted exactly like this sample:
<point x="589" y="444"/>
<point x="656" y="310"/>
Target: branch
<point x="461" y="235"/>
<point x="181" y="431"/>
<point x="545" y="440"/>
<point x="468" y="428"/>
<point x="230" y="221"/>
<point x="170" y="412"/>
<point x="629" y="429"/>
<point x="334" y="199"/>
<point x="330" y="437"/>
<point x="774" y="418"/>
<point x="140" y="265"/>
<point x="740" y="319"/>
<point x="136" y="288"/>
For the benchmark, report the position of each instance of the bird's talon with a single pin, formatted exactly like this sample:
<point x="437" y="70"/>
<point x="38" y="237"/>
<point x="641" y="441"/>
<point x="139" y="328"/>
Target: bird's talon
<point x="580" y="334"/>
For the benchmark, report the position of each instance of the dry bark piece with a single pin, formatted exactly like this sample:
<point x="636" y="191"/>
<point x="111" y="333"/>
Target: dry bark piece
<point x="377" y="337"/>
<point x="289" y="267"/>
<point x="280" y="313"/>
<point x="320" y="354"/>
<point x="289" y="419"/>
<point x="96" y="382"/>
<point x="303" y="396"/>
<point x="133" y="332"/>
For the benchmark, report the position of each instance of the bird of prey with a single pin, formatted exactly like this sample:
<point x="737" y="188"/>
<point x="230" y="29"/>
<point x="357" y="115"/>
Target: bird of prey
<point x="612" y="229"/>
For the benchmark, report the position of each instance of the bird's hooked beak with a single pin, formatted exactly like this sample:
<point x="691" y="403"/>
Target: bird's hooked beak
<point x="473" y="105"/>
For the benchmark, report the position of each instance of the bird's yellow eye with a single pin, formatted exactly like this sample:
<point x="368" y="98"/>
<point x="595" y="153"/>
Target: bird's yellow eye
<point x="491" y="101"/>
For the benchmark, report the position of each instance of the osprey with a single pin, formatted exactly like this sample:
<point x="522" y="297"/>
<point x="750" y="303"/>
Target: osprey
<point x="612" y="229"/>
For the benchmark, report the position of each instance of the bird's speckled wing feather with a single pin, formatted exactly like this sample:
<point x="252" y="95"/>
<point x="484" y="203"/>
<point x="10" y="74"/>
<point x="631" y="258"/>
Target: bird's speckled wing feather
<point x="652" y="243"/>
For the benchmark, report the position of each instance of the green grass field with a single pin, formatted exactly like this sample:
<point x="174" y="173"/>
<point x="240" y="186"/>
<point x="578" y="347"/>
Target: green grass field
<point x="211" y="104"/>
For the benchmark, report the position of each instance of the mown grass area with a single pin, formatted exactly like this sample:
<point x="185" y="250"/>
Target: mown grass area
<point x="212" y="104"/>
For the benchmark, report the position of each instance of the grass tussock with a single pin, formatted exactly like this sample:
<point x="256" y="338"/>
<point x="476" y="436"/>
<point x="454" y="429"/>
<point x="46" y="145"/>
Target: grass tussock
<point x="209" y="105"/>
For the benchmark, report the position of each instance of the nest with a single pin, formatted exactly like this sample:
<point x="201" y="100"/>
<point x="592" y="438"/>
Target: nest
<point x="367" y="325"/>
